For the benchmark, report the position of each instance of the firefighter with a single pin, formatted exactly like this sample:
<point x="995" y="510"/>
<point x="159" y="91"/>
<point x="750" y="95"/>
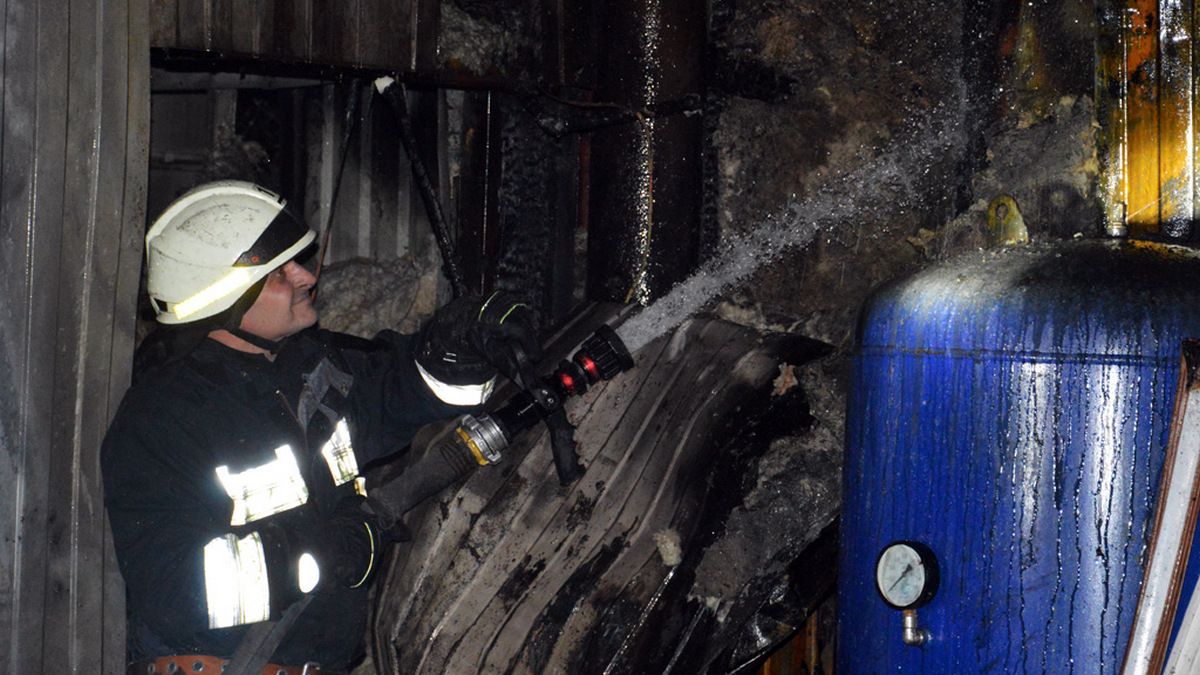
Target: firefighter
<point x="232" y="468"/>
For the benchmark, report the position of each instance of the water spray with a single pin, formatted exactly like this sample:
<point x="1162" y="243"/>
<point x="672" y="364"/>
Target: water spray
<point x="480" y="440"/>
<point x="872" y="191"/>
<point x="877" y="188"/>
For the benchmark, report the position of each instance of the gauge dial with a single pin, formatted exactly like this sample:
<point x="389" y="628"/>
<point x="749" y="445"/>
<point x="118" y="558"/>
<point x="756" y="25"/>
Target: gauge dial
<point x="906" y="574"/>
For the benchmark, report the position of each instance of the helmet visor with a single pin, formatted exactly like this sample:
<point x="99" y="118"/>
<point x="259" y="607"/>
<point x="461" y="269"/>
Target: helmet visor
<point x="281" y="234"/>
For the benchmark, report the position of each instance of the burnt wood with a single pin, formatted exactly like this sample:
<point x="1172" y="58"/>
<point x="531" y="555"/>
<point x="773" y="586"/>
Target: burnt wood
<point x="384" y="34"/>
<point x="221" y="19"/>
<point x="511" y="572"/>
<point x="368" y="33"/>
<point x="335" y="31"/>
<point x="478" y="245"/>
<point x="292" y="27"/>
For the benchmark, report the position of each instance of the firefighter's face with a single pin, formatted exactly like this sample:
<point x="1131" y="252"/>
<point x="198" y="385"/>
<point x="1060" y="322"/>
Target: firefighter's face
<point x="284" y="307"/>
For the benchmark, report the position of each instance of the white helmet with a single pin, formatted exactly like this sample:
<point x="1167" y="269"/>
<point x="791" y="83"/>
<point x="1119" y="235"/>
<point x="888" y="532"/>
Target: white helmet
<point x="213" y="244"/>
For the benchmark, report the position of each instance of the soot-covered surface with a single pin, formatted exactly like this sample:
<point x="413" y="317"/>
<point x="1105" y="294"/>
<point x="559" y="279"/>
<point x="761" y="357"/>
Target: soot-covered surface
<point x="707" y="474"/>
<point x="801" y="104"/>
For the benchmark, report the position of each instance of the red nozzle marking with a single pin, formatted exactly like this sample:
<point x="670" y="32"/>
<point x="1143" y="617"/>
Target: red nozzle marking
<point x="590" y="366"/>
<point x="568" y="382"/>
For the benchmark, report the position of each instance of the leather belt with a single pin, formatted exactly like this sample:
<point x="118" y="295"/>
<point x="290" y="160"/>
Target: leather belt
<point x="202" y="664"/>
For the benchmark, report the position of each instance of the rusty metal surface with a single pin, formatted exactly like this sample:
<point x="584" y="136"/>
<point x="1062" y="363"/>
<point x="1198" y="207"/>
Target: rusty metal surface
<point x="73" y="176"/>
<point x="653" y="560"/>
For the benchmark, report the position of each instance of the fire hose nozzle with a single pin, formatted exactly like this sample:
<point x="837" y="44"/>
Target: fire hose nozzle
<point x="601" y="357"/>
<point x="479" y="440"/>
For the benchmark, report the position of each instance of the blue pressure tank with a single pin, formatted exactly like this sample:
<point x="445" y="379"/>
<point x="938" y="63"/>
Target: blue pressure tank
<point x="1009" y="412"/>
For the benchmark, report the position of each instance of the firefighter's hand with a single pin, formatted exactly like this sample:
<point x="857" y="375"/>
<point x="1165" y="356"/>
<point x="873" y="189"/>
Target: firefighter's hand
<point x="346" y="546"/>
<point x="471" y="338"/>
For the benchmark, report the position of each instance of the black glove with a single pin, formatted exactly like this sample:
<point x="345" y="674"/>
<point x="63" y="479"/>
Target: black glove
<point x="472" y="337"/>
<point x="347" y="544"/>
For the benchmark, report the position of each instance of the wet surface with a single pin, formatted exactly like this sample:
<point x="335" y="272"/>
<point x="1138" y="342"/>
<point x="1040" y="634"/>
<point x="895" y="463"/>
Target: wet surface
<point x="1010" y="410"/>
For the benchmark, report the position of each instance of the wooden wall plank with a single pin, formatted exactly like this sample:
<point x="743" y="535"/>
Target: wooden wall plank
<point x="335" y="34"/>
<point x="394" y="35"/>
<point x="264" y="28"/>
<point x="221" y="19"/>
<point x="384" y="30"/>
<point x="91" y="251"/>
<point x="195" y="24"/>
<point x="253" y="20"/>
<point x="78" y="253"/>
<point x="366" y="219"/>
<point x="164" y="22"/>
<point x="34" y="132"/>
<point x="293" y="28"/>
<point x="133" y="191"/>
<point x="66" y="115"/>
<point x="245" y="16"/>
<point x="426" y="27"/>
<point x="95" y="129"/>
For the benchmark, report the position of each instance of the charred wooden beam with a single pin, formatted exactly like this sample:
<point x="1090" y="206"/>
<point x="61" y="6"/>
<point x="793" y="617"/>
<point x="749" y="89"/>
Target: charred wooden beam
<point x="644" y="233"/>
<point x="479" y="192"/>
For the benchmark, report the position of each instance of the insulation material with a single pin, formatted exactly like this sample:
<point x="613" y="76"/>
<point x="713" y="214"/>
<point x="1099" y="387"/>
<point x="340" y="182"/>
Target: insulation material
<point x="483" y="37"/>
<point x="362" y="297"/>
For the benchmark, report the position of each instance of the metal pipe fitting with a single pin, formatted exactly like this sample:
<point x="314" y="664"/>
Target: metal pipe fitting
<point x="911" y="631"/>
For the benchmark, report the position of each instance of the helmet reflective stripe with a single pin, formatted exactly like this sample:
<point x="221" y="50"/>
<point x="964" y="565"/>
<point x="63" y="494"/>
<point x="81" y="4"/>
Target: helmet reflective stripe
<point x="264" y="490"/>
<point x="339" y="457"/>
<point x="235" y="581"/>
<point x="195" y="246"/>
<point x="230" y="283"/>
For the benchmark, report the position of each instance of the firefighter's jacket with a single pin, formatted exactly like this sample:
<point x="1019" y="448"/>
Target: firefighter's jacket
<point x="214" y="460"/>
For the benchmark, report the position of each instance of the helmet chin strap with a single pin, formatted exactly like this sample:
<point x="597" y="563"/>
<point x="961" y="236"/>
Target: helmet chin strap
<point x="259" y="341"/>
<point x="233" y="323"/>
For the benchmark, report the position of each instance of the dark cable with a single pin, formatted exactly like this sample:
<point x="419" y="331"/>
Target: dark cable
<point x="348" y="127"/>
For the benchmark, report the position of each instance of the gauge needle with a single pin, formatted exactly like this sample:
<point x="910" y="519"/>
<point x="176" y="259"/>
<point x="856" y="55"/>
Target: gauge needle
<point x="907" y="568"/>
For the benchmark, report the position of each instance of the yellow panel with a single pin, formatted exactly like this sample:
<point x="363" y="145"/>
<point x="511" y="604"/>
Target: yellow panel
<point x="1145" y="106"/>
<point x="1141" y="101"/>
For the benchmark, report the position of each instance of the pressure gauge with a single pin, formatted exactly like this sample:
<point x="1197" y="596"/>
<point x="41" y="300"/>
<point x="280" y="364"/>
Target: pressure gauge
<point x="906" y="574"/>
